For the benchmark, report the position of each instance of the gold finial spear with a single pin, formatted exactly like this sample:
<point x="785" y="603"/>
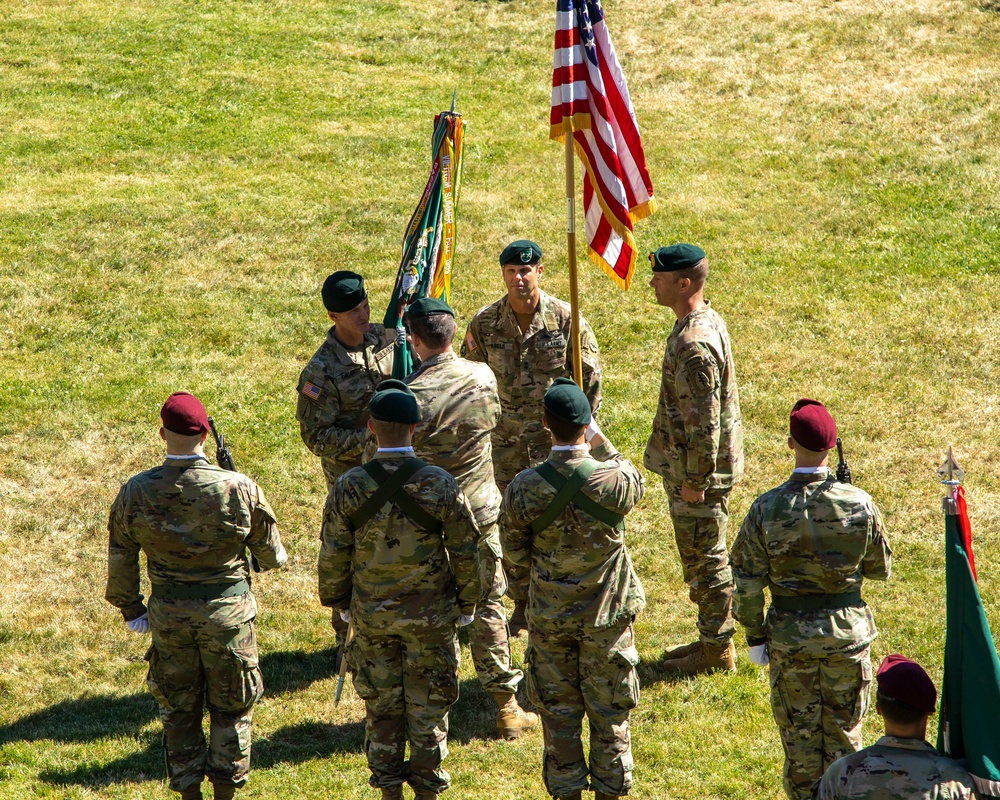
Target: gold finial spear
<point x="951" y="476"/>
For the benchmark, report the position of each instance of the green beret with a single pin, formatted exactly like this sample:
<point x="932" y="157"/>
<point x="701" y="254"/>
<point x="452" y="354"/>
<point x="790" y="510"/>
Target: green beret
<point x="343" y="290"/>
<point x="425" y="306"/>
<point x="521" y="252"/>
<point x="676" y="257"/>
<point x="566" y="400"/>
<point x="394" y="401"/>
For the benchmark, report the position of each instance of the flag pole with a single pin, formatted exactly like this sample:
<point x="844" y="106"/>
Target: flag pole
<point x="574" y="290"/>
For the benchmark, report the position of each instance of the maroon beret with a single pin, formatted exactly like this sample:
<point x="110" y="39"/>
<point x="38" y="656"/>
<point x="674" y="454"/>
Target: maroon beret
<point x="900" y="678"/>
<point x="183" y="413"/>
<point x="812" y="426"/>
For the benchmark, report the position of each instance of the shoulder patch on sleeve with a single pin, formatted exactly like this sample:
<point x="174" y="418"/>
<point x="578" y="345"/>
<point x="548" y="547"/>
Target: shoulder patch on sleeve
<point x="470" y="342"/>
<point x="311" y="390"/>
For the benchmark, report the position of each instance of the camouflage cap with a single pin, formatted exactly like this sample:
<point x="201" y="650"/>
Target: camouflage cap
<point x="676" y="257"/>
<point x="902" y="679"/>
<point x="812" y="426"/>
<point x="184" y="414"/>
<point x="425" y="306"/>
<point x="394" y="401"/>
<point x="566" y="401"/>
<point x="523" y="251"/>
<point x="343" y="290"/>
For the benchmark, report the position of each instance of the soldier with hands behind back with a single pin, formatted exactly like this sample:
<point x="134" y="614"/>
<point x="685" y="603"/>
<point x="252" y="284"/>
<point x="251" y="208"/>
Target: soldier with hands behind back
<point x="525" y="338"/>
<point x="901" y="765"/>
<point x="565" y="521"/>
<point x="697" y="448"/>
<point x="811" y="542"/>
<point x="459" y="407"/>
<point x="398" y="558"/>
<point x="195" y="522"/>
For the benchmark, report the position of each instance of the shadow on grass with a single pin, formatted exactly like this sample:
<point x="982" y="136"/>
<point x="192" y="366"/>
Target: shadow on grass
<point x="138" y="767"/>
<point x="474" y="716"/>
<point x="294" y="670"/>
<point x="84" y="719"/>
<point x="306" y="741"/>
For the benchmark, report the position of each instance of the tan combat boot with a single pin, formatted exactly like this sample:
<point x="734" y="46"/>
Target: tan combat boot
<point x="223" y="791"/>
<point x="392" y="792"/>
<point x="512" y="720"/>
<point x="706" y="658"/>
<point x="680" y="651"/>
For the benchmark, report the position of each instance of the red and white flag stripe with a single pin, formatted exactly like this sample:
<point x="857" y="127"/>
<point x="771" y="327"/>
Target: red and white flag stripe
<point x="590" y="99"/>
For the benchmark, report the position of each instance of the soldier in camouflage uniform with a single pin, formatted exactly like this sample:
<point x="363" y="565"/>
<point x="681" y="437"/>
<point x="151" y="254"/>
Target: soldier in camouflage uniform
<point x="195" y="522"/>
<point x="459" y="407"/>
<point x="525" y="339"/>
<point x="340" y="378"/>
<point x="900" y="765"/>
<point x="400" y="562"/>
<point x="811" y="542"/>
<point x="697" y="448"/>
<point x="583" y="598"/>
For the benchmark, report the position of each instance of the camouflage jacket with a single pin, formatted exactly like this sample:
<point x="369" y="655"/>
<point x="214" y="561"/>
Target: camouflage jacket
<point x="525" y="367"/>
<point x="810" y="536"/>
<point x="697" y="438"/>
<point x="334" y="390"/>
<point x="581" y="573"/>
<point x="895" y="768"/>
<point x="390" y="573"/>
<point x="195" y="522"/>
<point x="459" y="407"/>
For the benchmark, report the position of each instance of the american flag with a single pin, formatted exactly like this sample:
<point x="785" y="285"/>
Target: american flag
<point x="590" y="100"/>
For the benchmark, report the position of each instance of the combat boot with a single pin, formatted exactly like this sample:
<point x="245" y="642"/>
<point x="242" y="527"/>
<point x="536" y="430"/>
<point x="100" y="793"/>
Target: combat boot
<point x="512" y="720"/>
<point x="223" y="791"/>
<point x="192" y="792"/>
<point x="392" y="792"/>
<point x="601" y="796"/>
<point x="680" y="651"/>
<point x="706" y="658"/>
<point x="423" y="794"/>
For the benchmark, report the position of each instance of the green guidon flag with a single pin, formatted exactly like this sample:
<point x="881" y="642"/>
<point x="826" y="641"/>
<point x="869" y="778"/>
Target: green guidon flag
<point x="429" y="243"/>
<point x="969" y="722"/>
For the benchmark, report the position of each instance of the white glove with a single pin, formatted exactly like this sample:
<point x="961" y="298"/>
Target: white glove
<point x="465" y="619"/>
<point x="593" y="429"/>
<point x="758" y="655"/>
<point x="345" y="615"/>
<point x="139" y="624"/>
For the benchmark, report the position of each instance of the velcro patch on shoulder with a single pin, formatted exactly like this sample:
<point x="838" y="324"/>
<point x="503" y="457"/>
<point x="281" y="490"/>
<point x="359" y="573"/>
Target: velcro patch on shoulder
<point x="311" y="390"/>
<point x="470" y="342"/>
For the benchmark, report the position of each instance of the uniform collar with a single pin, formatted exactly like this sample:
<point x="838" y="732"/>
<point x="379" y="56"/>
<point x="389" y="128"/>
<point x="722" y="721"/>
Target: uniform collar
<point x="544" y="319"/>
<point x="568" y="456"/>
<point x="185" y="462"/>
<point x="904" y="744"/>
<point x="440" y="358"/>
<point x="810" y="477"/>
<point x="344" y="356"/>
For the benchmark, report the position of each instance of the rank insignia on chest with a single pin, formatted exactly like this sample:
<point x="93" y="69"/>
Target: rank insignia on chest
<point x="311" y="390"/>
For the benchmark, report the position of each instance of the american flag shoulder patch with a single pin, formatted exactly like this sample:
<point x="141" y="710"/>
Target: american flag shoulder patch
<point x="311" y="390"/>
<point x="470" y="342"/>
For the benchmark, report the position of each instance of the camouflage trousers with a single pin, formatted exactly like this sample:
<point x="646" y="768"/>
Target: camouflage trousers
<point x="589" y="672"/>
<point x="818" y="704"/>
<point x="488" y="635"/>
<point x="700" y="532"/>
<point x="408" y="682"/>
<point x="190" y="668"/>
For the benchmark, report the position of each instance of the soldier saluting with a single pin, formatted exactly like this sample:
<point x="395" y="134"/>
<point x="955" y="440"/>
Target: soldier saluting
<point x="195" y="522"/>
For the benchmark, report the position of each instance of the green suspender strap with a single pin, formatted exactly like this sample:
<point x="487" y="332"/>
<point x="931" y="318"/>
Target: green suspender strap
<point x="568" y="491"/>
<point x="390" y="490"/>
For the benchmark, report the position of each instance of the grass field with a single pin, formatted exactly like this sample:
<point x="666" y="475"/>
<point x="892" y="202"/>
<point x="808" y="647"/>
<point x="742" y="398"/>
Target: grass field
<point x="178" y="178"/>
